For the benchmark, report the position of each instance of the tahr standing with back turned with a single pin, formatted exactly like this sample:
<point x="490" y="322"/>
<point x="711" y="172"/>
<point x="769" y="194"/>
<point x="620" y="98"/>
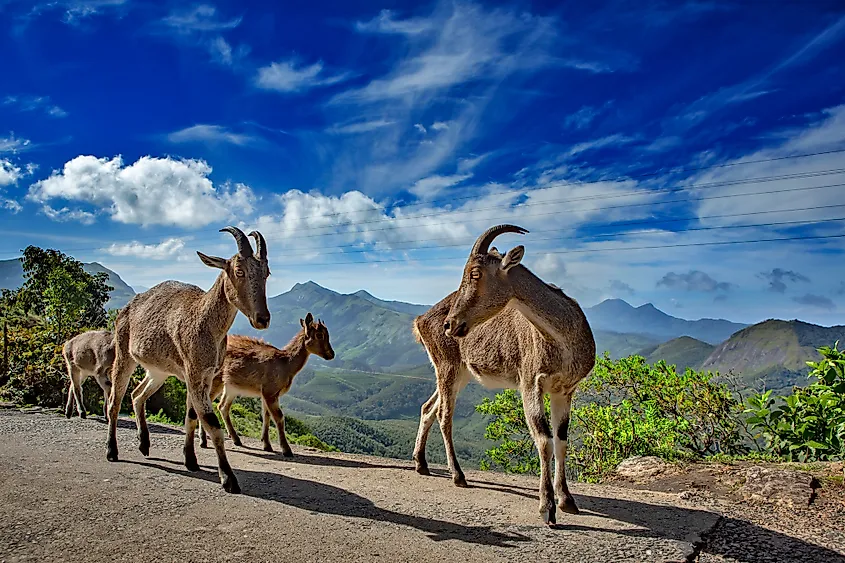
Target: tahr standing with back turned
<point x="507" y="328"/>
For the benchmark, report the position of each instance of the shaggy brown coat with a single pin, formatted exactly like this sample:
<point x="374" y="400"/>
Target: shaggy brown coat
<point x="254" y="368"/>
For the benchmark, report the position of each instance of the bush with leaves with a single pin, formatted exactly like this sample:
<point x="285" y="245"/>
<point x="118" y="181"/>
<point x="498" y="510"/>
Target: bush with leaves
<point x="625" y="408"/>
<point x="809" y="424"/>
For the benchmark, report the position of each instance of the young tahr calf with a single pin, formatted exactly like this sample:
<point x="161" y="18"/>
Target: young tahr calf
<point x="87" y="354"/>
<point x="253" y="368"/>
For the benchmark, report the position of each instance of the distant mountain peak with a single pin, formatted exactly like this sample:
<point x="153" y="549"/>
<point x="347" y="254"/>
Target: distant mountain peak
<point x="309" y="285"/>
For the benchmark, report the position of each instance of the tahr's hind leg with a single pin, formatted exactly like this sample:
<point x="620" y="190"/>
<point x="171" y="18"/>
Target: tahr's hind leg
<point x="561" y="405"/>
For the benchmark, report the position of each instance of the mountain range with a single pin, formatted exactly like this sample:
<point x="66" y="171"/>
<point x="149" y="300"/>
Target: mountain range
<point x="374" y="335"/>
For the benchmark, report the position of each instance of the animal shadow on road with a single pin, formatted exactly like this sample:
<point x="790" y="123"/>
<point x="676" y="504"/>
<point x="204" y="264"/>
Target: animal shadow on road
<point x="327" y="499"/>
<point x="313" y="459"/>
<point x="743" y="541"/>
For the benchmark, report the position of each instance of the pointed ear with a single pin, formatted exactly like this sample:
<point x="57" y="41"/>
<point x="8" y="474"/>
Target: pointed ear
<point x="302" y="322"/>
<point x="494" y="252"/>
<point x="213" y="261"/>
<point x="309" y="318"/>
<point x="512" y="258"/>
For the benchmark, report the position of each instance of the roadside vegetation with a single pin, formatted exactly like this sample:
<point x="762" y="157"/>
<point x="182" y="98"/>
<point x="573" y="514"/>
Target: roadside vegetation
<point x="630" y="408"/>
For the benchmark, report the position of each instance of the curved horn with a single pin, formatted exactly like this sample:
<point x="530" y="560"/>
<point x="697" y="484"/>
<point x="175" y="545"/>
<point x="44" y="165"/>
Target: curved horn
<point x="260" y="245"/>
<point x="244" y="248"/>
<point x="483" y="242"/>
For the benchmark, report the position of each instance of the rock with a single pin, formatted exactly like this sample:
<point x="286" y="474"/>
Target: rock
<point x="640" y="467"/>
<point x="794" y="489"/>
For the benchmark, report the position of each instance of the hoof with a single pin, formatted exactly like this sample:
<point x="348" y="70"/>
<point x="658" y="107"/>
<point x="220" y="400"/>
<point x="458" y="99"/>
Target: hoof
<point x="460" y="481"/>
<point x="204" y="445"/>
<point x="423" y="470"/>
<point x="68" y="415"/>
<point x="112" y="454"/>
<point x="230" y="485"/>
<point x="267" y="447"/>
<point x="237" y="442"/>
<point x="548" y="515"/>
<point x="83" y="414"/>
<point x="287" y="453"/>
<point x="568" y="506"/>
<point x="191" y="461"/>
<point x="144" y="447"/>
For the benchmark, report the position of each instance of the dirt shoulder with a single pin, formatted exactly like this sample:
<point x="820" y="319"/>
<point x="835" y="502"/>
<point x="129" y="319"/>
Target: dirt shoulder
<point x="61" y="501"/>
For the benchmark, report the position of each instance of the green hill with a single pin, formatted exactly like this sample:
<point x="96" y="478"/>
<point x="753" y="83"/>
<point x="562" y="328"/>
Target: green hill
<point x="684" y="352"/>
<point x="773" y="352"/>
<point x="365" y="335"/>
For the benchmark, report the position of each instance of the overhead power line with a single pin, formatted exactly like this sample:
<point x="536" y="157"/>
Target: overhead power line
<point x="584" y="250"/>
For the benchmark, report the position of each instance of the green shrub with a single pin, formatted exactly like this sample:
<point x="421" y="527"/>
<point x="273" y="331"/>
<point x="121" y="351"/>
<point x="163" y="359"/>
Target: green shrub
<point x="624" y="408"/>
<point x="809" y="424"/>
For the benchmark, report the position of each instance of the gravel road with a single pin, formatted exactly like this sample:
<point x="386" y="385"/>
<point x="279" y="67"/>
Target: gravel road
<point x="60" y="500"/>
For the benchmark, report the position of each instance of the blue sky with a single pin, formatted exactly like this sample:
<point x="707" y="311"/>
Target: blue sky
<point x="371" y="143"/>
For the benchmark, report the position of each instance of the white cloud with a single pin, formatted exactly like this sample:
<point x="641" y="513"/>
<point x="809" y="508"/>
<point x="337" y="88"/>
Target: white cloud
<point x="9" y="172"/>
<point x="200" y="18"/>
<point x="210" y="134"/>
<point x="11" y="205"/>
<point x="67" y="214"/>
<point x="14" y="144"/>
<point x="152" y="191"/>
<point x="421" y="128"/>
<point x="221" y="51"/>
<point x="439" y="125"/>
<point x="385" y="23"/>
<point x="547" y="266"/>
<point x="161" y="251"/>
<point x="35" y="103"/>
<point x="360" y="127"/>
<point x="288" y="76"/>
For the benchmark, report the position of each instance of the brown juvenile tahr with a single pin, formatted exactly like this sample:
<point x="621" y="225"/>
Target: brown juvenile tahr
<point x="87" y="354"/>
<point x="253" y="368"/>
<point x="507" y="328"/>
<point x="178" y="329"/>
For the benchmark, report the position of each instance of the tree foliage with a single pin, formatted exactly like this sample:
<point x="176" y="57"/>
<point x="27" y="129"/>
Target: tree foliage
<point x="809" y="424"/>
<point x="57" y="286"/>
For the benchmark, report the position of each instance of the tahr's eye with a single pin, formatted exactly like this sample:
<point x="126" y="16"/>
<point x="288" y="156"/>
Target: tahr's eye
<point x="319" y="336"/>
<point x="239" y="273"/>
<point x="475" y="275"/>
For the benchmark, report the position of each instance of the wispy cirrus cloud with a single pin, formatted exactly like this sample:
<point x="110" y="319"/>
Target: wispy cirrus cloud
<point x="211" y="134"/>
<point x="359" y="126"/>
<point x="385" y="22"/>
<point x="691" y="115"/>
<point x="291" y="77"/>
<point x="200" y="18"/>
<point x="41" y="104"/>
